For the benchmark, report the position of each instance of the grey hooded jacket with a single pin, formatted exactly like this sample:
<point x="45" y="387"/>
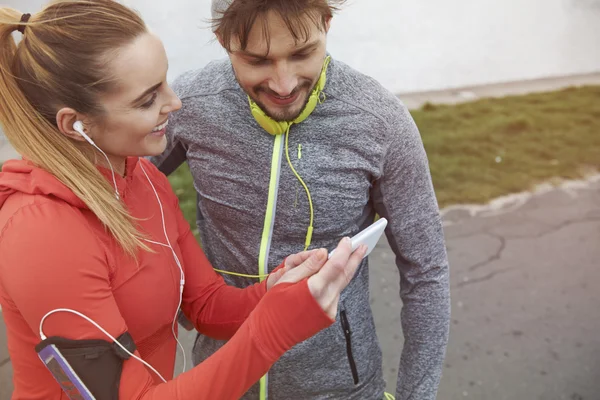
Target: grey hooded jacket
<point x="360" y="154"/>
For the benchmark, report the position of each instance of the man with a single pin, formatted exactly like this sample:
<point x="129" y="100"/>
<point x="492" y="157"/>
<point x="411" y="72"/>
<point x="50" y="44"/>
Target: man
<point x="289" y="149"/>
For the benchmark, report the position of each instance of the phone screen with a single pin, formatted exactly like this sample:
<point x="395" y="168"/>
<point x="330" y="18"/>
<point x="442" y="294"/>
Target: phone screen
<point x="70" y="383"/>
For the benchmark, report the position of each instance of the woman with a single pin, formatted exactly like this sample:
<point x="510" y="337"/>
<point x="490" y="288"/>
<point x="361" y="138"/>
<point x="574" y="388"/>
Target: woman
<point x="96" y="257"/>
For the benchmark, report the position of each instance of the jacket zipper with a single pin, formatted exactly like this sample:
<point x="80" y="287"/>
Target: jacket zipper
<point x="348" y="336"/>
<point x="267" y="235"/>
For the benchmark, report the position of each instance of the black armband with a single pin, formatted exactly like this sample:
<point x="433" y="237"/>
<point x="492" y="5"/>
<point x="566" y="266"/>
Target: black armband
<point x="86" y="369"/>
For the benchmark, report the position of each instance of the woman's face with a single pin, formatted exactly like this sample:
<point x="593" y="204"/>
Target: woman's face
<point x="137" y="109"/>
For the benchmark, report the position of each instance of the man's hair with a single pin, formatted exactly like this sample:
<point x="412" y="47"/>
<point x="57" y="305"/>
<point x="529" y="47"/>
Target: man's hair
<point x="234" y="19"/>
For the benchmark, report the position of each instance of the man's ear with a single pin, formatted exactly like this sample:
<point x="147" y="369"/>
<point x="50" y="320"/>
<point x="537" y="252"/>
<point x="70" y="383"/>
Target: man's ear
<point x="327" y="24"/>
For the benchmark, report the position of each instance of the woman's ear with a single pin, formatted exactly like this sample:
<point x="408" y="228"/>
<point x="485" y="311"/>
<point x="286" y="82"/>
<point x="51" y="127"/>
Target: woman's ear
<point x="65" y="120"/>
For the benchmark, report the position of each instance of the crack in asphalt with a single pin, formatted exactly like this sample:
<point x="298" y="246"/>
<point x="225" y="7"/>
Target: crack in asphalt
<point x="503" y="239"/>
<point x="484" y="278"/>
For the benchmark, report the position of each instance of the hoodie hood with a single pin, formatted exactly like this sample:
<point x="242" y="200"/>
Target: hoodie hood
<point x="24" y="177"/>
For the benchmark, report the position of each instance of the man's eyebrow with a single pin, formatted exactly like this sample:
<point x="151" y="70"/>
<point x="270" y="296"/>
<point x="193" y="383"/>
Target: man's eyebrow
<point x="307" y="46"/>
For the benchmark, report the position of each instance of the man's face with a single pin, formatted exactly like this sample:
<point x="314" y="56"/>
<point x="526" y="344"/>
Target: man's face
<point x="281" y="77"/>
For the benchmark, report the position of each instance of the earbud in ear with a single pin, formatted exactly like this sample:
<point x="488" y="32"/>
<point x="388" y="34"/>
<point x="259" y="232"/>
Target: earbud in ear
<point x="78" y="126"/>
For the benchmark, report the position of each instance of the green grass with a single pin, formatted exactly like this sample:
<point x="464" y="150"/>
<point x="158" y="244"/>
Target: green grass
<point x="493" y="147"/>
<point x="535" y="138"/>
<point x="182" y="183"/>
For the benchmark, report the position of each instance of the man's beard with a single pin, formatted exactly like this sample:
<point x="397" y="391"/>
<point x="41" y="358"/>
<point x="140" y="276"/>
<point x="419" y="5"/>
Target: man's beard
<point x="286" y="114"/>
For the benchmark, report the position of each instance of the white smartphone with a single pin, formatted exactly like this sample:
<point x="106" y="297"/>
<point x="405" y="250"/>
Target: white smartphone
<point x="369" y="236"/>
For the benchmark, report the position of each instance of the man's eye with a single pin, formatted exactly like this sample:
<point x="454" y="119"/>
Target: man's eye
<point x="259" y="61"/>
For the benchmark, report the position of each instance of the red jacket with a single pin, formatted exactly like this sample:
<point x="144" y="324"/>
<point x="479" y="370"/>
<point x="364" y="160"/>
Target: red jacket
<point x="55" y="253"/>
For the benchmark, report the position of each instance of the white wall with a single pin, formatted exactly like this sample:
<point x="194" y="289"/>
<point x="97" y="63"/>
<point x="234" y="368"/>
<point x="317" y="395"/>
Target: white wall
<point x="416" y="45"/>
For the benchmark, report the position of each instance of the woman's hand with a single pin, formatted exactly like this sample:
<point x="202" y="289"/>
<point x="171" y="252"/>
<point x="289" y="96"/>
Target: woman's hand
<point x="311" y="260"/>
<point x="326" y="278"/>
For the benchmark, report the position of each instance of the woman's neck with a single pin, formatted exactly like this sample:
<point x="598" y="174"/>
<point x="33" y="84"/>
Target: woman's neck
<point x="118" y="164"/>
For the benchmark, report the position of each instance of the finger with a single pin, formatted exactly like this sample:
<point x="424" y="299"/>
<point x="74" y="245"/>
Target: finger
<point x="294" y="260"/>
<point x="353" y="263"/>
<point x="322" y="281"/>
<point x="339" y="270"/>
<point x="308" y="268"/>
<point x="278" y="274"/>
<point x="336" y="264"/>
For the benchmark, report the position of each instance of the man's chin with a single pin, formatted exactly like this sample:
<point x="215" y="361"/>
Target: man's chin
<point x="283" y="115"/>
<point x="287" y="113"/>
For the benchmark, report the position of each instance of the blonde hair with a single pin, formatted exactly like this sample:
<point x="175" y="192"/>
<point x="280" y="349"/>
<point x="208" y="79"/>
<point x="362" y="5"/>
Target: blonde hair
<point x="61" y="62"/>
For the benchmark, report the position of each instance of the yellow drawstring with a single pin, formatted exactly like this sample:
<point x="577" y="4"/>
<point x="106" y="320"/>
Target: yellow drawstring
<point x="242" y="275"/>
<point x="309" y="232"/>
<point x="388" y="396"/>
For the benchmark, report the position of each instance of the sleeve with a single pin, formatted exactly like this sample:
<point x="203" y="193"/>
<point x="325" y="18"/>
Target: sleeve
<point x="62" y="266"/>
<point x="216" y="309"/>
<point x="174" y="155"/>
<point x="404" y="195"/>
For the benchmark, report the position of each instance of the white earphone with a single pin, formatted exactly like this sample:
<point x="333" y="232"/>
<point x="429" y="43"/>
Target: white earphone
<point x="78" y="127"/>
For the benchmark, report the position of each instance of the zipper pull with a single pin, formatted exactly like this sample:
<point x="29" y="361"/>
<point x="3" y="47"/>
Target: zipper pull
<point x="344" y="322"/>
<point x="299" y="151"/>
